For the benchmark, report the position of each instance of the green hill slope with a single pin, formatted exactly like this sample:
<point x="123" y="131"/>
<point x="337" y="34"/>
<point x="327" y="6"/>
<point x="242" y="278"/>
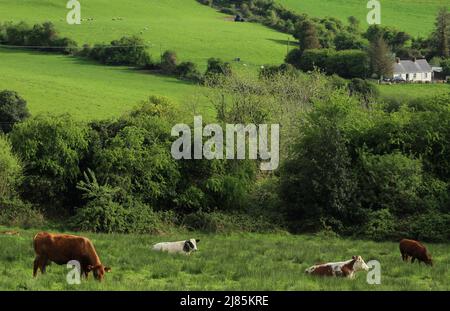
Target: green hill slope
<point x="413" y="16"/>
<point x="60" y="84"/>
<point x="196" y="32"/>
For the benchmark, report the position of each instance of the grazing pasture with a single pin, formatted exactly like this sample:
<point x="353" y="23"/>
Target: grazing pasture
<point x="416" y="17"/>
<point x="196" y="32"/>
<point x="411" y="91"/>
<point x="61" y="84"/>
<point x="225" y="262"/>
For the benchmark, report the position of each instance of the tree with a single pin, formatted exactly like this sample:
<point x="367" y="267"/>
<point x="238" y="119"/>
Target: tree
<point x="380" y="58"/>
<point x="442" y="33"/>
<point x="353" y="24"/>
<point x="306" y="33"/>
<point x="13" y="109"/>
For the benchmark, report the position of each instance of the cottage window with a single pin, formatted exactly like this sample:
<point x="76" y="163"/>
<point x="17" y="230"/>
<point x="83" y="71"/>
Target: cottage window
<point x="426" y="74"/>
<point x="414" y="76"/>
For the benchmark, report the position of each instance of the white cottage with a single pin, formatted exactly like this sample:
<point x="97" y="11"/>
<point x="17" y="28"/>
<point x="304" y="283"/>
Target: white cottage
<point x="416" y="70"/>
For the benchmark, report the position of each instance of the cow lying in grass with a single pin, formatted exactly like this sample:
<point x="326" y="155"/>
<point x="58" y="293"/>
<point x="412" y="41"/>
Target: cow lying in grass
<point x="182" y="247"/>
<point x="340" y="269"/>
<point x="415" y="250"/>
<point x="62" y="248"/>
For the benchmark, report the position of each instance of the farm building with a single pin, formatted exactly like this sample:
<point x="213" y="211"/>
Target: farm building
<point x="416" y="70"/>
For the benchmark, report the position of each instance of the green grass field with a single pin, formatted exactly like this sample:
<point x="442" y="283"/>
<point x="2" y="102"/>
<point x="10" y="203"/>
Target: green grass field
<point x="62" y="84"/>
<point x="196" y="32"/>
<point x="416" y="17"/>
<point x="403" y="91"/>
<point x="225" y="262"/>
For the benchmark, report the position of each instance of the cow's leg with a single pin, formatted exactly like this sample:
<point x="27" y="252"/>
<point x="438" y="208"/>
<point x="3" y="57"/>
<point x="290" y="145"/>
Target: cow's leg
<point x="35" y="266"/>
<point x="42" y="264"/>
<point x="412" y="260"/>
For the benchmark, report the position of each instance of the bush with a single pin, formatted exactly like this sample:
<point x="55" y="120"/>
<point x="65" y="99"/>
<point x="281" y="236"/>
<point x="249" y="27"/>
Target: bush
<point x="216" y="222"/>
<point x="13" y="109"/>
<point x="15" y="213"/>
<point x="51" y="149"/>
<point x="381" y="225"/>
<point x="363" y="88"/>
<point x="188" y="71"/>
<point x="10" y="170"/>
<point x="346" y="63"/>
<point x="129" y="51"/>
<point x="104" y="212"/>
<point x="42" y="36"/>
<point x="169" y="62"/>
<point x="390" y="181"/>
<point x="431" y="226"/>
<point x="219" y="67"/>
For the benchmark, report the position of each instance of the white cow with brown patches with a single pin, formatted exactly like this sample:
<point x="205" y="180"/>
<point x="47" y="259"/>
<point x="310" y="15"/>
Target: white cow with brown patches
<point x="339" y="269"/>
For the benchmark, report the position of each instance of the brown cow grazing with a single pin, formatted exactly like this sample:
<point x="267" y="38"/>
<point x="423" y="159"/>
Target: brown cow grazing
<point x="62" y="248"/>
<point x="415" y="250"/>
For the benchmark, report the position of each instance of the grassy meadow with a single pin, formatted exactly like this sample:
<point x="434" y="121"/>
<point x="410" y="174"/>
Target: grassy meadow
<point x="87" y="90"/>
<point x="416" y="17"/>
<point x="196" y="32"/>
<point x="225" y="262"/>
<point x="405" y="91"/>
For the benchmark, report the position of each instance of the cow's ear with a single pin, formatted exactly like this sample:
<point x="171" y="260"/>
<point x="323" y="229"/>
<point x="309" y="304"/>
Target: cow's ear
<point x="354" y="257"/>
<point x="107" y="269"/>
<point x="198" y="240"/>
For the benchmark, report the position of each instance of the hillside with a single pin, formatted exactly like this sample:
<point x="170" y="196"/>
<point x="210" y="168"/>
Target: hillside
<point x="416" y="17"/>
<point x="196" y="32"/>
<point x="86" y="90"/>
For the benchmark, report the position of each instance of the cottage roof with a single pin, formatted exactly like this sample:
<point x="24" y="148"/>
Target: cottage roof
<point x="409" y="66"/>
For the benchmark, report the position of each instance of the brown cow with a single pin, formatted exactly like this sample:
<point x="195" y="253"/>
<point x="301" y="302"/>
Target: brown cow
<point x="415" y="250"/>
<point x="62" y="248"/>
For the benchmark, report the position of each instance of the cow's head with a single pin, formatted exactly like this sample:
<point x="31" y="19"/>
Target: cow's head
<point x="99" y="271"/>
<point x="190" y="245"/>
<point x="359" y="264"/>
<point x="429" y="260"/>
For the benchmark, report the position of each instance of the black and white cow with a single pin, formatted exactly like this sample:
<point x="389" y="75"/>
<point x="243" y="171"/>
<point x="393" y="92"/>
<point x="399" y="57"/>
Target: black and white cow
<point x="183" y="247"/>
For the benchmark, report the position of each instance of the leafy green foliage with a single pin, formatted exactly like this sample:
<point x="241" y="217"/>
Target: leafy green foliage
<point x="13" y="109"/>
<point x="51" y="149"/>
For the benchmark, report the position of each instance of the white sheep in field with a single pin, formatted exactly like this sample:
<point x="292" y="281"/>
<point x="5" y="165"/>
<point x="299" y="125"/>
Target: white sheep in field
<point x="183" y="247"/>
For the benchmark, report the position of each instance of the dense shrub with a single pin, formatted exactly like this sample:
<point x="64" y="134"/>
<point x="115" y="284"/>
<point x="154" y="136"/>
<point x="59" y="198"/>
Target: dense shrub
<point x="381" y="225"/>
<point x="217" y="222"/>
<point x="390" y="181"/>
<point x="15" y="213"/>
<point x="345" y="63"/>
<point x="363" y="88"/>
<point x="42" y="36"/>
<point x="13" y="109"/>
<point x="217" y="66"/>
<point x="188" y="71"/>
<point x="51" y="149"/>
<point x="169" y="62"/>
<point x="10" y="170"/>
<point x="317" y="180"/>
<point x="129" y="51"/>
